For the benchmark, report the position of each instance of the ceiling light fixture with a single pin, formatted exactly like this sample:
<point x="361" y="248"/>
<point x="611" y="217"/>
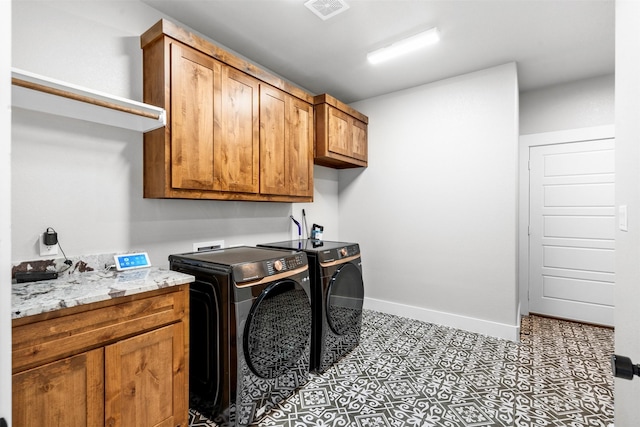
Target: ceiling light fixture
<point x="403" y="46"/>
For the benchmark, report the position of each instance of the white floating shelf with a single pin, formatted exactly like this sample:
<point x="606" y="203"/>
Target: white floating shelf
<point x="34" y="92"/>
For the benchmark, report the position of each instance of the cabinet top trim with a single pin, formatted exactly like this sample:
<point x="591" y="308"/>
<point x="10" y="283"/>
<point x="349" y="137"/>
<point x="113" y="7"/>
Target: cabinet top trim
<point x="168" y="28"/>
<point x="330" y="100"/>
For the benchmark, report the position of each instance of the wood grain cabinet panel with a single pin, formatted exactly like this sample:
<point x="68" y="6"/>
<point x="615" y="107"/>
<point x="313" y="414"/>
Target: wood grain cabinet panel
<point x="341" y="134"/>
<point x="145" y="382"/>
<point x="195" y="78"/>
<point x="234" y="132"/>
<point x="122" y="362"/>
<point x="237" y="145"/>
<point x="66" y="393"/>
<point x="286" y="144"/>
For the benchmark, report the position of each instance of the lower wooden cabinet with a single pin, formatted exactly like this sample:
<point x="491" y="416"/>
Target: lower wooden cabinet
<point x="134" y="374"/>
<point x="69" y="393"/>
<point x="140" y="387"/>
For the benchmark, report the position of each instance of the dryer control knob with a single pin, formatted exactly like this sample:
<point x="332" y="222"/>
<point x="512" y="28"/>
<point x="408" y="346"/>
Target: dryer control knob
<point x="277" y="264"/>
<point x="343" y="251"/>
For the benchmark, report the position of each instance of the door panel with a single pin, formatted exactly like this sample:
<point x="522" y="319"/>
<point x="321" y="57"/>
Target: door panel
<point x="579" y="195"/>
<point x="585" y="163"/>
<point x="273" y="143"/>
<point x="65" y="393"/>
<point x="143" y="383"/>
<point x="300" y="148"/>
<point x="236" y="153"/>
<point x="585" y="259"/>
<point x="577" y="227"/>
<point x="194" y="79"/>
<point x="339" y="132"/>
<point x="593" y="291"/>
<point x="572" y="229"/>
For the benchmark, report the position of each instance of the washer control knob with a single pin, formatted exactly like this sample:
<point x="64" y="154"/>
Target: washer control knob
<point x="343" y="251"/>
<point x="277" y="265"/>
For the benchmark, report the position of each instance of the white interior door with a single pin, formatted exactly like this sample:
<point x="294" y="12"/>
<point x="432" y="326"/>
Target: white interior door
<point x="572" y="229"/>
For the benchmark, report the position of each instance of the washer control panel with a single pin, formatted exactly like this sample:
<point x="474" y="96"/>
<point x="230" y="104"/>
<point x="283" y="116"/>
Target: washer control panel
<point x="287" y="263"/>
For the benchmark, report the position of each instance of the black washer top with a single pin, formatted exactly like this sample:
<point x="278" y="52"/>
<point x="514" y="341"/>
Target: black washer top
<point x="235" y="255"/>
<point x="246" y="262"/>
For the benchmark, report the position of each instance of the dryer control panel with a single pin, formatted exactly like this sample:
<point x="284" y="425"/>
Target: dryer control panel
<point x="338" y="253"/>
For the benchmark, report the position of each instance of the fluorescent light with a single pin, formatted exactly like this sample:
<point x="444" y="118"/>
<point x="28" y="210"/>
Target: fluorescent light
<point x="404" y="46"/>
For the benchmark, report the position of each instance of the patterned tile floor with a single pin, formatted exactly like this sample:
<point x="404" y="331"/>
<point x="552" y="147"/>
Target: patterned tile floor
<point x="411" y="373"/>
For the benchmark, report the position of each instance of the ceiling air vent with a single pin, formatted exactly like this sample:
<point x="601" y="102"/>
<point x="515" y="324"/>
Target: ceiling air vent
<point x="326" y="9"/>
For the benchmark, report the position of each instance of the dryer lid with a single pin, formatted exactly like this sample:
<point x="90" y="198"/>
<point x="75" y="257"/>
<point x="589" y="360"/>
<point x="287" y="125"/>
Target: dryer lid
<point x="326" y="250"/>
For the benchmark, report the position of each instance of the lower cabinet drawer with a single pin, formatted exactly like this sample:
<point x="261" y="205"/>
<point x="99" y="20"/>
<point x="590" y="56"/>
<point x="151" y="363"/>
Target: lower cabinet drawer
<point x="70" y="331"/>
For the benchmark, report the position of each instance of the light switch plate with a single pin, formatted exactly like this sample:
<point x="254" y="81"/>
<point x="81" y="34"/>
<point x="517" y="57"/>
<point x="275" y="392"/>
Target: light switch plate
<point x="623" y="218"/>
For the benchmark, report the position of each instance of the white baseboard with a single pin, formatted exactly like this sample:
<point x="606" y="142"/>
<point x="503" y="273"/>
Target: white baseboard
<point x="484" y="327"/>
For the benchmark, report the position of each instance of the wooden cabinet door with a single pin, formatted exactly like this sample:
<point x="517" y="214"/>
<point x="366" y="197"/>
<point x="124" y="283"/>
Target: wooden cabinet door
<point x="236" y="148"/>
<point x="286" y="144"/>
<point x="273" y="153"/>
<point x="359" y="140"/>
<point x="214" y="119"/>
<point x="66" y="393"/>
<point x="195" y="99"/>
<point x="145" y="382"/>
<point x="300" y="148"/>
<point x="340" y="132"/>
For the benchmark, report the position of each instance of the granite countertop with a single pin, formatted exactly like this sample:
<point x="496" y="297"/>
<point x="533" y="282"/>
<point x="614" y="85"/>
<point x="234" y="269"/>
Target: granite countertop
<point x="28" y="299"/>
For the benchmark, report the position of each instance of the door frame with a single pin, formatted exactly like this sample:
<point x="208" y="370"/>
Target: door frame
<point x="525" y="143"/>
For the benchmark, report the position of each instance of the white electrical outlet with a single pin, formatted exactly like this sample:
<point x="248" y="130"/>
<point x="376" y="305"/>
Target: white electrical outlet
<point x="47" y="250"/>
<point x="208" y="246"/>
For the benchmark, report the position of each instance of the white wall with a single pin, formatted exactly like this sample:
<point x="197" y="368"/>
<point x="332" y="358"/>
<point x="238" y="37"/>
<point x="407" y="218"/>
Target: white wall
<point x="436" y="210"/>
<point x="5" y="211"/>
<point x="627" y="315"/>
<point x="580" y="104"/>
<point x="85" y="180"/>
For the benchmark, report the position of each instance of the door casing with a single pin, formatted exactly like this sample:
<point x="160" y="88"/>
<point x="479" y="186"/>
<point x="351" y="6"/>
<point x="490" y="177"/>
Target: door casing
<point x="525" y="142"/>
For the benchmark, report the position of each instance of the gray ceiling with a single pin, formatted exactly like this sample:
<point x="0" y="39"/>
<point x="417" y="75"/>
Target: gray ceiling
<point x="552" y="41"/>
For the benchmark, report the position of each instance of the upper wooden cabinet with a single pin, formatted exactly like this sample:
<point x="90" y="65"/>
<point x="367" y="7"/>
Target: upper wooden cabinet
<point x="286" y="144"/>
<point x="234" y="132"/>
<point x="214" y="136"/>
<point x="341" y="134"/>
